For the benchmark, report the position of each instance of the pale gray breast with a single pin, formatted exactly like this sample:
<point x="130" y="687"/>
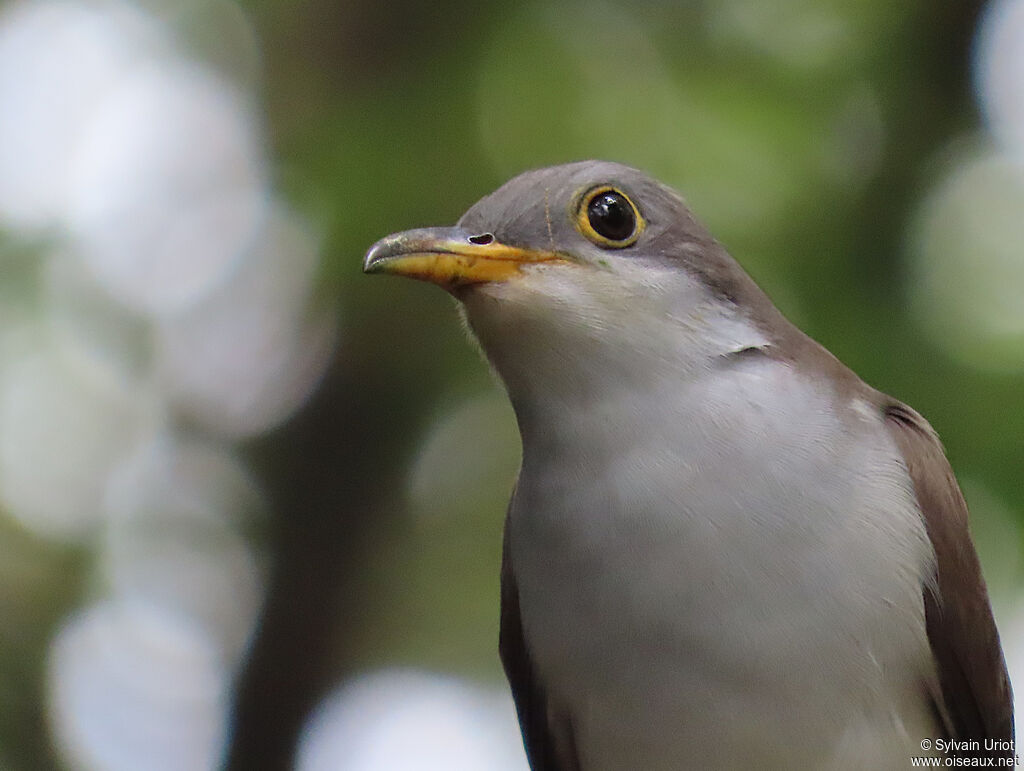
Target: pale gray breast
<point x="758" y="547"/>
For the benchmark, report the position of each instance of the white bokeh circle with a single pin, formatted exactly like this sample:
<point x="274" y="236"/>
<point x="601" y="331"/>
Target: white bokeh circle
<point x="168" y="186"/>
<point x="63" y="426"/>
<point x="58" y="61"/>
<point x="244" y="358"/>
<point x="178" y="511"/>
<point x="416" y="721"/>
<point x="132" y="687"/>
<point x="999" y="71"/>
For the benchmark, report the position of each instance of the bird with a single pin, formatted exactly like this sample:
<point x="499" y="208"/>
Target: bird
<point x="723" y="549"/>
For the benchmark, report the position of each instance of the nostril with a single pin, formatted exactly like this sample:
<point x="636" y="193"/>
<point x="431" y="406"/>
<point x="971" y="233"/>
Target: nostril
<point x="482" y="239"/>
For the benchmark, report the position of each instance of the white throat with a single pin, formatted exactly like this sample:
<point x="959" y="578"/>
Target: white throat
<point x="560" y="344"/>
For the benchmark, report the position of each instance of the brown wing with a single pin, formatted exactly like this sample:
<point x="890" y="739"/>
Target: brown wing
<point x="547" y="737"/>
<point x="976" y="698"/>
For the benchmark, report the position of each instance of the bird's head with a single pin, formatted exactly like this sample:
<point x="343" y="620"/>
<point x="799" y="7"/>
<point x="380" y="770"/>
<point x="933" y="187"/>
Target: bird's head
<point x="576" y="274"/>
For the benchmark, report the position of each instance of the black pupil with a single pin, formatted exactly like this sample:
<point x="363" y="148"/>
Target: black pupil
<point x="611" y="216"/>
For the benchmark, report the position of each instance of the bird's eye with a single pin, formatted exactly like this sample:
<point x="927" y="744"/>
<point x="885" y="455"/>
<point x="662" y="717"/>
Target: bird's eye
<point x="608" y="218"/>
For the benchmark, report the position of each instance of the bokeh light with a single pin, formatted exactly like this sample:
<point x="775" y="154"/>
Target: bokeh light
<point x="158" y="304"/>
<point x="241" y="360"/>
<point x="133" y="687"/>
<point x="178" y="513"/>
<point x="85" y="326"/>
<point x="968" y="261"/>
<point x="58" y="61"/>
<point x="471" y="452"/>
<point x="160" y="217"/>
<point x="999" y="71"/>
<point x="800" y="34"/>
<point x="62" y="429"/>
<point x="412" y="720"/>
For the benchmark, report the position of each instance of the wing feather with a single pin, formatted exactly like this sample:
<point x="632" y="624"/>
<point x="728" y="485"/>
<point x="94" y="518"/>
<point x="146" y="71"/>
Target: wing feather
<point x="547" y="735"/>
<point x="976" y="702"/>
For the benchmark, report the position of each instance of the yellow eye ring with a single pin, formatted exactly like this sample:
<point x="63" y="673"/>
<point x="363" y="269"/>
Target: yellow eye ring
<point x="609" y="218"/>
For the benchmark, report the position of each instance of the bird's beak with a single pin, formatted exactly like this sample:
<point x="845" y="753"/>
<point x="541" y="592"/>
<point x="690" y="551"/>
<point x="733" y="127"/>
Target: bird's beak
<point x="450" y="257"/>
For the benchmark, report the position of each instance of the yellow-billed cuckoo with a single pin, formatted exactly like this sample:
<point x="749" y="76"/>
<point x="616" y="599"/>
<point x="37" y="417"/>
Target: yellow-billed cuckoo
<point x="724" y="550"/>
